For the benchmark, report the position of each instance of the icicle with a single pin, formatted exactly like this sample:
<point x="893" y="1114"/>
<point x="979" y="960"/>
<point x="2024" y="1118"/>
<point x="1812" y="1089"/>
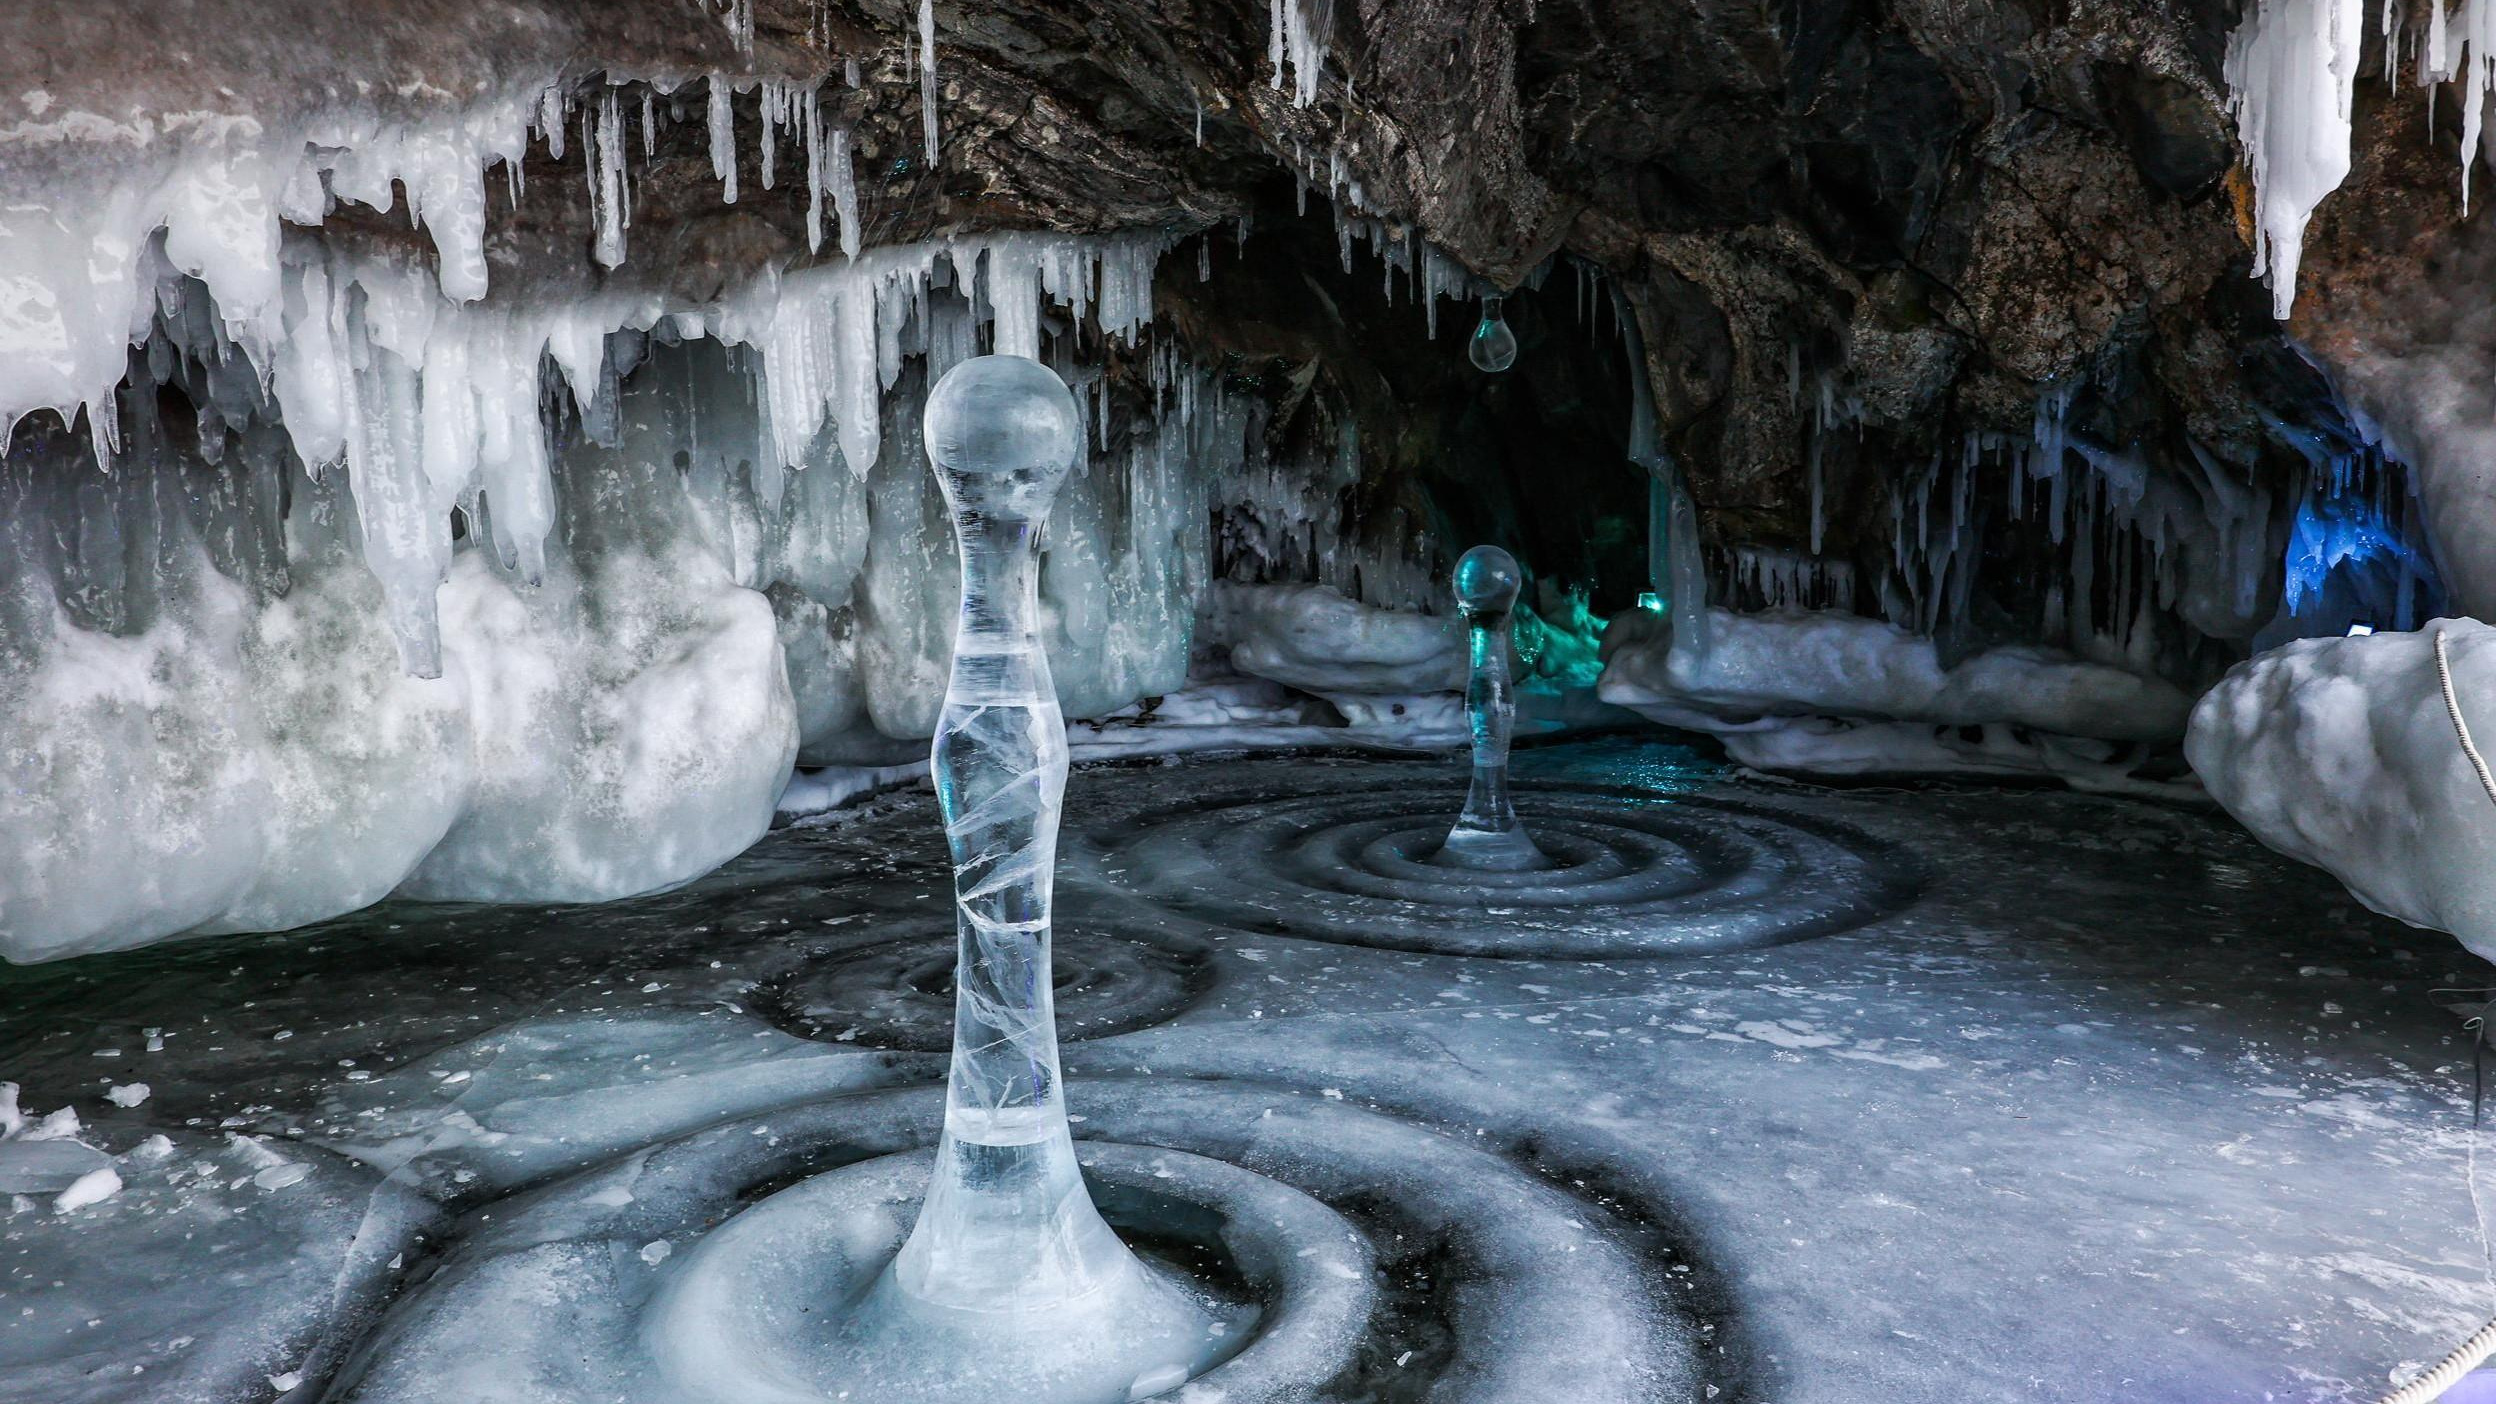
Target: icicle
<point x="927" y="75"/>
<point x="845" y="190"/>
<point x="554" y="108"/>
<point x="1277" y="25"/>
<point x="770" y="107"/>
<point x="606" y="164"/>
<point x="649" y="126"/>
<point x="1014" y="295"/>
<point x="849" y="70"/>
<point x="2291" y="75"/>
<point x="724" y="137"/>
<point x="1296" y="36"/>
<point x="811" y="127"/>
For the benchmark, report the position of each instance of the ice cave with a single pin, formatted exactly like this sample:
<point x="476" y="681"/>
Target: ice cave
<point x="1247" y="702"/>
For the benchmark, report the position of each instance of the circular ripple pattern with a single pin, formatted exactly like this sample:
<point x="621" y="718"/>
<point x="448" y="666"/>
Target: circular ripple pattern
<point x="1632" y="873"/>
<point x="1392" y="1262"/>
<point x="898" y="994"/>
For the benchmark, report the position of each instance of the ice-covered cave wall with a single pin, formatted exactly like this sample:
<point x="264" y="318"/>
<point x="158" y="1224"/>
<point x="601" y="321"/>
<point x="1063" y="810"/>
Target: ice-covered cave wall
<point x="579" y="670"/>
<point x="514" y="551"/>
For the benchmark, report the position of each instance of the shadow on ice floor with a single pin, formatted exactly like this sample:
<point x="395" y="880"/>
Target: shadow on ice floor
<point x="1768" y="1093"/>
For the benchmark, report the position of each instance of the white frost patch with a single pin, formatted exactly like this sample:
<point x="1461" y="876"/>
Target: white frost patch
<point x="2339" y="752"/>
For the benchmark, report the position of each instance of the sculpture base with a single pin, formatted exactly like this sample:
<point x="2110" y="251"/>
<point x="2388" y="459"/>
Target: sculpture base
<point x="1482" y="851"/>
<point x="797" y="1301"/>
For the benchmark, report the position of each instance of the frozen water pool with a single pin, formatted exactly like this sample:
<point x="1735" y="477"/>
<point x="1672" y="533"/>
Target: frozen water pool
<point x="1954" y="1094"/>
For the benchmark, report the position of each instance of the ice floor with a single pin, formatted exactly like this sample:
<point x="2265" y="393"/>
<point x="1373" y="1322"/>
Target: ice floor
<point x="1771" y="1095"/>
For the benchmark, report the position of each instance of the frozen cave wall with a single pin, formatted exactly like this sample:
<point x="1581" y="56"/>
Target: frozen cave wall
<point x="469" y="450"/>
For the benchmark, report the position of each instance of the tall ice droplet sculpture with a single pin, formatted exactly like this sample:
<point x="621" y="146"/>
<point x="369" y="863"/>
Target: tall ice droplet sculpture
<point x="1008" y="1256"/>
<point x="1487" y="835"/>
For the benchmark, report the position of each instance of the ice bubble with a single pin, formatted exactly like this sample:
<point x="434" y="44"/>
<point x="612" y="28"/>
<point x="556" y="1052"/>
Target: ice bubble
<point x="1493" y="347"/>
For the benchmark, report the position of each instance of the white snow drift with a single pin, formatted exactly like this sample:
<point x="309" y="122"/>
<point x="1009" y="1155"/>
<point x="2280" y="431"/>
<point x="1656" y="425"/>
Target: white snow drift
<point x="1835" y="693"/>
<point x="1818" y="663"/>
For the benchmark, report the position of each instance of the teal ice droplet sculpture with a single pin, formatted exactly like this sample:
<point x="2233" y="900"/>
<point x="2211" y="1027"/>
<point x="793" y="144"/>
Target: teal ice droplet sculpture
<point x="1494" y="347"/>
<point x="1487" y="835"/>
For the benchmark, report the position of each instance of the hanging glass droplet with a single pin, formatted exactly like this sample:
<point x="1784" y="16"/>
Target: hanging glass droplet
<point x="1494" y="347"/>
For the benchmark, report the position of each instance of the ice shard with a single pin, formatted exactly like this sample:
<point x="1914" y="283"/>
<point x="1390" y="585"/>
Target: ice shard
<point x="1487" y="835"/>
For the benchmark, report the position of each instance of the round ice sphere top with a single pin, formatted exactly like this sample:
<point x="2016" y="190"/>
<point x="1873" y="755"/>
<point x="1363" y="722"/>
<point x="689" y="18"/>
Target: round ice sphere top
<point x="1487" y="581"/>
<point x="1002" y="414"/>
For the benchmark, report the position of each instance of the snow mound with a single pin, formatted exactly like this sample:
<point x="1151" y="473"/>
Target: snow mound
<point x="1830" y="693"/>
<point x="2339" y="753"/>
<point x="1820" y="663"/>
<point x="1313" y="638"/>
<point x="278" y="768"/>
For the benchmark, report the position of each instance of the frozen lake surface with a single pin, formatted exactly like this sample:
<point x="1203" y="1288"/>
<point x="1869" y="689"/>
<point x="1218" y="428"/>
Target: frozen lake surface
<point x="1766" y="1094"/>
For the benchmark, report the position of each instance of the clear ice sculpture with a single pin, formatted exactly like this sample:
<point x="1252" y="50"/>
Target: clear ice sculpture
<point x="1493" y="347"/>
<point x="1487" y="835"/>
<point x="1008" y="1259"/>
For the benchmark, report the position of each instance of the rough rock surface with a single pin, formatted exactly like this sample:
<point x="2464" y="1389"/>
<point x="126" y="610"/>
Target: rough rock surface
<point x="1935" y="206"/>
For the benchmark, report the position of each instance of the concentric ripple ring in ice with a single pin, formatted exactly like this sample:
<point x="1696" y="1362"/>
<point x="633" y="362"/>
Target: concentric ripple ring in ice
<point x="1631" y="873"/>
<point x="1356" y="1255"/>
<point x="899" y="994"/>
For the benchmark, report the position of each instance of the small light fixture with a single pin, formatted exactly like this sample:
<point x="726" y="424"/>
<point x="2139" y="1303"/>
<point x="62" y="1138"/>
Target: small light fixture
<point x="2360" y="630"/>
<point x="1648" y="601"/>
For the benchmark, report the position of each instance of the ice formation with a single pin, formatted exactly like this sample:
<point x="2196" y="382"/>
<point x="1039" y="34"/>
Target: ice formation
<point x="2292" y="80"/>
<point x="1008" y="1256"/>
<point x="1798" y="662"/>
<point x="1808" y="662"/>
<point x="528" y="601"/>
<point x="1835" y="693"/>
<point x="2291" y="75"/>
<point x="2340" y="753"/>
<point x="1312" y="638"/>
<point x="1492" y="347"/>
<point x="1297" y="32"/>
<point x="1487" y="834"/>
